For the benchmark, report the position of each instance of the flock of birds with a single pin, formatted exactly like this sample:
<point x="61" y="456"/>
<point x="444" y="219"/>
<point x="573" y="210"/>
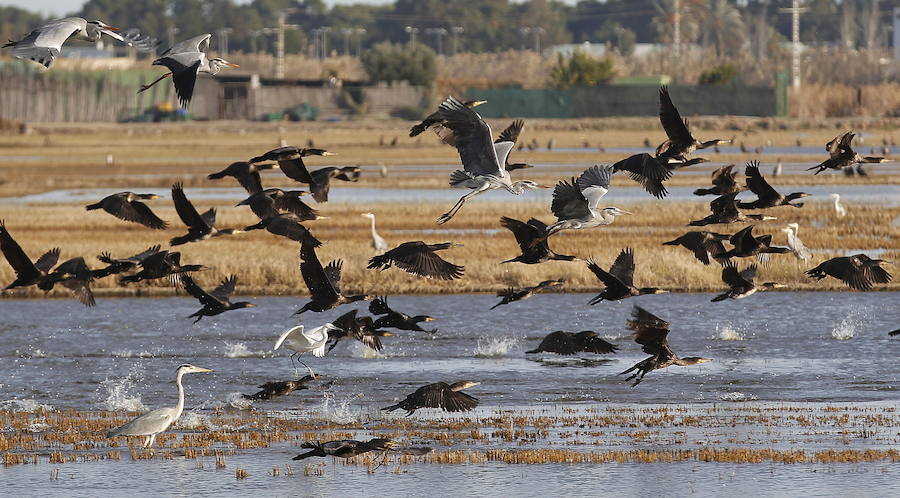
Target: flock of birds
<point x="486" y="167"/>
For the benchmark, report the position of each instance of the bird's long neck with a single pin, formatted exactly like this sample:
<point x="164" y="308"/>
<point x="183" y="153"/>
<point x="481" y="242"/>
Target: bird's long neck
<point x="374" y="233"/>
<point x="180" y="406"/>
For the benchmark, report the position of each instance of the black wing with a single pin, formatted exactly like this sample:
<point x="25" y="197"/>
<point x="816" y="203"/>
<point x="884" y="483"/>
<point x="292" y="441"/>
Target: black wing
<point x="511" y="132"/>
<point x="675" y="126"/>
<point x="623" y="267"/>
<point x="314" y="275"/>
<point x="646" y="170"/>
<point x="21" y="264"/>
<point x="225" y="289"/>
<point x="757" y="184"/>
<point x="205" y="298"/>
<point x="568" y="202"/>
<point x="186" y="211"/>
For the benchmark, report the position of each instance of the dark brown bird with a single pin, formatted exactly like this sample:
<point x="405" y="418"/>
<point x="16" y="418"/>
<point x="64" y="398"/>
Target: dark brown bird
<point x="512" y="294"/>
<point x="723" y="182"/>
<point x="741" y="283"/>
<point x="349" y="326"/>
<point x="532" y="242"/>
<point x="27" y="272"/>
<point x="569" y="343"/>
<point x="127" y="206"/>
<point x="842" y="154"/>
<point x="274" y="389"/>
<point x="438" y="395"/>
<point x="418" y="258"/>
<point x="619" y="281"/>
<point x="680" y="141"/>
<point x="704" y="245"/>
<point x="766" y="195"/>
<point x="116" y="266"/>
<point x="215" y="302"/>
<point x="163" y="264"/>
<point x="652" y="332"/>
<point x="74" y="275"/>
<point x="436" y="122"/>
<point x="271" y="202"/>
<point x="247" y="174"/>
<point x="724" y="210"/>
<point x="652" y="171"/>
<point x="746" y="245"/>
<point x="287" y="225"/>
<point x="322" y="177"/>
<point x="395" y="319"/>
<point x="894" y="332"/>
<point x="200" y="226"/>
<point x="859" y="271"/>
<point x="324" y="284"/>
<point x="290" y="160"/>
<point x="344" y="448"/>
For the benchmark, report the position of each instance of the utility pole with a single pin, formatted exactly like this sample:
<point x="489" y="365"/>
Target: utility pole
<point x="412" y="34"/>
<point x="795" y="11"/>
<point x="359" y="34"/>
<point x="279" y="42"/>
<point x="896" y="41"/>
<point x="347" y="32"/>
<point x="676" y="36"/>
<point x="439" y="38"/>
<point x="455" y="31"/>
<point x="222" y="38"/>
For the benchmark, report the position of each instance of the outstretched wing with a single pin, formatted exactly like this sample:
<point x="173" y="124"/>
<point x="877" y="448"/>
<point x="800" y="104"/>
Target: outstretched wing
<point x="186" y="210"/>
<point x="623" y="267"/>
<point x="226" y="288"/>
<point x="646" y="170"/>
<point x="757" y="184"/>
<point x="594" y="184"/>
<point x="511" y="132"/>
<point x="524" y="233"/>
<point x="191" y="287"/>
<point x="675" y="126"/>
<point x="568" y="202"/>
<point x="473" y="139"/>
<point x="314" y="275"/>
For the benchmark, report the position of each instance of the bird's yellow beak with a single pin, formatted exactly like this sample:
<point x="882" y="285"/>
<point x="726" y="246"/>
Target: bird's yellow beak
<point x="478" y="103"/>
<point x="326" y="153"/>
<point x="203" y="370"/>
<point x="112" y="28"/>
<point x="429" y="319"/>
<point x="231" y="64"/>
<point x="154" y="196"/>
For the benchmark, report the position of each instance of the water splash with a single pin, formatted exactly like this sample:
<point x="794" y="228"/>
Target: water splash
<point x="24" y="406"/>
<point x="339" y="411"/>
<point x="194" y="420"/>
<point x="36" y="353"/>
<point x="239" y="401"/>
<point x="132" y="354"/>
<point x="240" y="350"/>
<point x="736" y="397"/>
<point x="119" y="394"/>
<point x="360" y="350"/>
<point x="846" y="330"/>
<point x="727" y="332"/>
<point x="494" y="347"/>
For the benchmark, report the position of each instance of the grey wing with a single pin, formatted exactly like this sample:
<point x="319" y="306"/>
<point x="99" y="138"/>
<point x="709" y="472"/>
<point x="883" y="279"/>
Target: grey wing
<point x="198" y="43"/>
<point x="568" y="202"/>
<point x="594" y="184"/>
<point x="43" y="43"/>
<point x="473" y="139"/>
<point x="149" y="423"/>
<point x="133" y="37"/>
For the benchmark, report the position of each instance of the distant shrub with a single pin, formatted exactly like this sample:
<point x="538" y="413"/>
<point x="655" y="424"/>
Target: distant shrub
<point x="581" y="70"/>
<point x="389" y="62"/>
<point x="722" y="74"/>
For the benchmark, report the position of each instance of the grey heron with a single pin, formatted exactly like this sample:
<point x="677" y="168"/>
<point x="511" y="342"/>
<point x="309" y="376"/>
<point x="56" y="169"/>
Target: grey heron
<point x="842" y="154"/>
<point x="575" y="203"/>
<point x="838" y="207"/>
<point x="185" y="61"/>
<point x="740" y="283"/>
<point x="378" y="243"/>
<point x="44" y="42"/>
<point x="152" y="423"/>
<point x="797" y="247"/>
<point x="483" y="160"/>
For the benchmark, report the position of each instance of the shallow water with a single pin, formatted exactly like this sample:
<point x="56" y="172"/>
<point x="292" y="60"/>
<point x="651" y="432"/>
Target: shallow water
<point x="817" y="350"/>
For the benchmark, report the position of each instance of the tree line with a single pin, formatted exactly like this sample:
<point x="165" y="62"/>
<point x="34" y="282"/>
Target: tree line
<point x="727" y="26"/>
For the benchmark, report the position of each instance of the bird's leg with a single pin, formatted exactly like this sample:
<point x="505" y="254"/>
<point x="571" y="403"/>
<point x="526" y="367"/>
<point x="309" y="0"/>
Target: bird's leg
<point x="383" y="461"/>
<point x="459" y="204"/>
<point x="146" y="87"/>
<point x="305" y="365"/>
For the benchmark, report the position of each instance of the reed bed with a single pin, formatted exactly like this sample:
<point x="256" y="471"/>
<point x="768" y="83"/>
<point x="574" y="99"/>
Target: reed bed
<point x="830" y="434"/>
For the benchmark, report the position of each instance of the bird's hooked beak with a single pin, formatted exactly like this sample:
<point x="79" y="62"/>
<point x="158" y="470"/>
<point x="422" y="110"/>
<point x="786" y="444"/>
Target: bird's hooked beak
<point x="704" y="360"/>
<point x="111" y="28"/>
<point x="767" y="217"/>
<point x="388" y="334"/>
<point x="660" y="291"/>
<point x="319" y="217"/>
<point x="429" y="318"/>
<point x="153" y="196"/>
<point x="478" y="103"/>
<point x="538" y="185"/>
<point x="456" y="244"/>
<point x="779" y="286"/>
<point x="391" y="444"/>
<point x="326" y="153"/>
<point x="331" y="326"/>
<point x="201" y="370"/>
<point x="472" y="384"/>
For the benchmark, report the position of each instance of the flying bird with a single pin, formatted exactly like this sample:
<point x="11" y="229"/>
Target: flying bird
<point x="725" y="210"/>
<point x="740" y="283"/>
<point x="841" y="154"/>
<point x="569" y="343"/>
<point x="128" y="206"/>
<point x="766" y="195"/>
<point x="652" y="332"/>
<point x="185" y="60"/>
<point x="290" y="161"/>
<point x="532" y="242"/>
<point x="746" y="245"/>
<point x="74" y="275"/>
<point x="344" y="448"/>
<point x="619" y="280"/>
<point x="349" y="326"/>
<point x="300" y="341"/>
<point x="116" y="266"/>
<point x="680" y="140"/>
<point x="246" y="173"/>
<point x="274" y="389"/>
<point x="216" y="301"/>
<point x="395" y="319"/>
<point x="447" y="397"/>
<point x="512" y="294"/>
<point x="575" y="203"/>
<point x="200" y="226"/>
<point x="705" y="245"/>
<point x="418" y="258"/>
<point x="435" y="122"/>
<point x="859" y="271"/>
<point x="324" y="283"/>
<point x="162" y="264"/>
<point x="270" y="202"/>
<point x="287" y="225"/>
<point x="27" y="272"/>
<point x="723" y="182"/>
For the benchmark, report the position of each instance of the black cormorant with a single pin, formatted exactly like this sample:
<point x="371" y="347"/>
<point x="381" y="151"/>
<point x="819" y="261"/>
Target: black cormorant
<point x="200" y="226"/>
<point x="324" y="283"/>
<point x="746" y="245"/>
<point x="27" y="272"/>
<point x="619" y="281"/>
<point x="396" y="319"/>
<point x="512" y="294"/>
<point x="162" y="264"/>
<point x="723" y="182"/>
<point x="215" y="302"/>
<point x="127" y="206"/>
<point x="705" y="245"/>
<point x="766" y="195"/>
<point x="349" y="326"/>
<point x="741" y="283"/>
<point x="843" y="155"/>
<point x="270" y="202"/>
<point x="116" y="266"/>
<point x="272" y="389"/>
<point x="724" y="210"/>
<point x="447" y="397"/>
<point x="418" y="258"/>
<point x="436" y="122"/>
<point x="532" y="242"/>
<point x="859" y="271"/>
<point x="247" y="174"/>
<point x="287" y="225"/>
<point x="344" y="448"/>
<point x="569" y="343"/>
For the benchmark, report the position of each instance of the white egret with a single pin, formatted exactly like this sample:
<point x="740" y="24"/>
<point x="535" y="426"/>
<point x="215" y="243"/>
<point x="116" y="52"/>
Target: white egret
<point x="44" y="42"/>
<point x="300" y="341"/>
<point x="838" y="207"/>
<point x="185" y="61"/>
<point x="378" y="243"/>
<point x="152" y="423"/>
<point x="483" y="160"/>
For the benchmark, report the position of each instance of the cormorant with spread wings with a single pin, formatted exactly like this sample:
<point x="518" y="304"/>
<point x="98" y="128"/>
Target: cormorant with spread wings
<point x="859" y="271"/>
<point x="419" y="258"/>
<point x="842" y="155"/>
<point x="766" y="195"/>
<point x="324" y="283"/>
<point x="441" y="395"/>
<point x="215" y="302"/>
<point x="619" y="280"/>
<point x="532" y="242"/>
<point x="741" y="283"/>
<point x="652" y="333"/>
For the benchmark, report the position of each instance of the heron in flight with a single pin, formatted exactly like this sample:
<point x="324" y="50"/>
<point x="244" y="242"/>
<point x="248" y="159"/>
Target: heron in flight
<point x="152" y="423"/>
<point x="575" y="203"/>
<point x="185" y="61"/>
<point x="299" y="340"/>
<point x="44" y="42"/>
<point x="483" y="160"/>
